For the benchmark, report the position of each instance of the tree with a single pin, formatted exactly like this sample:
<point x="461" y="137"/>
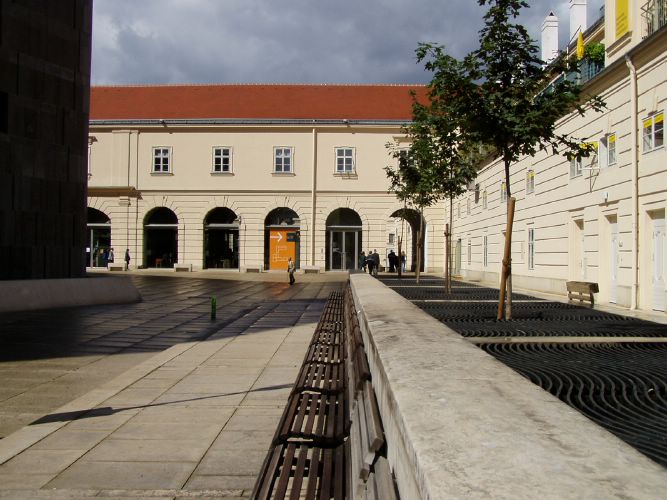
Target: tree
<point x="509" y="101"/>
<point x="433" y="166"/>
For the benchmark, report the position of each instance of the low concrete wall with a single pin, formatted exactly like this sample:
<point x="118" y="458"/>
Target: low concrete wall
<point x="460" y="424"/>
<point x="26" y="295"/>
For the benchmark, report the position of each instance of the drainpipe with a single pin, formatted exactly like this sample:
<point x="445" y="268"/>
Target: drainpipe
<point x="634" y="159"/>
<point x="313" y="200"/>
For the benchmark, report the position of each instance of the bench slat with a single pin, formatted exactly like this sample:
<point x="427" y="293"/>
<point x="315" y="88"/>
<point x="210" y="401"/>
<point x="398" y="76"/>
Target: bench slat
<point x="384" y="482"/>
<point x="373" y="421"/>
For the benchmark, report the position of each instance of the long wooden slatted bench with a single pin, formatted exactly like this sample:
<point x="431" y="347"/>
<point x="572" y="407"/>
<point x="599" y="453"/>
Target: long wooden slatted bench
<point x="329" y="443"/>
<point x="369" y="472"/>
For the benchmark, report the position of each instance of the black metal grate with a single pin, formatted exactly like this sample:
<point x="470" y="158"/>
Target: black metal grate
<point x="622" y="387"/>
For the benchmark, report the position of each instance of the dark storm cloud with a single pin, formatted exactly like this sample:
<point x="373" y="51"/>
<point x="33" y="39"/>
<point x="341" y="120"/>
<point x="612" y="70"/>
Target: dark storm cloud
<point x="309" y="41"/>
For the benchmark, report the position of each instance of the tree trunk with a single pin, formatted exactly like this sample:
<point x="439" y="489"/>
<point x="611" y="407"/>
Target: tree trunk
<point x="419" y="245"/>
<point x="447" y="275"/>
<point x="449" y="243"/>
<point x="506" y="273"/>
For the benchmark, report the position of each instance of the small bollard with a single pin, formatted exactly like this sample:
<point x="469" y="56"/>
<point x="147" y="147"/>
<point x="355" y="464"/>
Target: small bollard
<point x="214" y="304"/>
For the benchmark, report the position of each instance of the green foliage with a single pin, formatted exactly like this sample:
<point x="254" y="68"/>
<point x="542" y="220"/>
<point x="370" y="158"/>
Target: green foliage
<point x="501" y="100"/>
<point x="438" y="162"/>
<point x="594" y="51"/>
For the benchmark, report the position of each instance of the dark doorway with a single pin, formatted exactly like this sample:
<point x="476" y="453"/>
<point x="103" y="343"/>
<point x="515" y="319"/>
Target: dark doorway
<point x="98" y="238"/>
<point x="160" y="238"/>
<point x="343" y="240"/>
<point x="221" y="239"/>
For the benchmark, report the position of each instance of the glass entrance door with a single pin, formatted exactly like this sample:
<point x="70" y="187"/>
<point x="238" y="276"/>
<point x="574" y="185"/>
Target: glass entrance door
<point x="343" y="250"/>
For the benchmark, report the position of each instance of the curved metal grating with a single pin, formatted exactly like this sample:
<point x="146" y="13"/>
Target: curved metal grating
<point x="622" y="387"/>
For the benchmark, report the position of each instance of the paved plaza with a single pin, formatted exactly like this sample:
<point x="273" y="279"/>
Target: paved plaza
<point x="153" y="399"/>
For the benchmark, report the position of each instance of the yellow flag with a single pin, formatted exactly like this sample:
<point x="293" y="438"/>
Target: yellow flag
<point x="580" y="46"/>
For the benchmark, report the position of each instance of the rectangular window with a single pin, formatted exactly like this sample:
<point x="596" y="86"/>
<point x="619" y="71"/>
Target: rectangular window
<point x="486" y="250"/>
<point x="468" y="206"/>
<point x="161" y="160"/>
<point x="344" y="160"/>
<point x="469" y="251"/>
<point x="282" y="160"/>
<point x="607" y="150"/>
<point x="611" y="149"/>
<point x="503" y="192"/>
<point x="575" y="168"/>
<point x="654" y="132"/>
<point x="222" y="160"/>
<point x="530" y="181"/>
<point x="391" y="239"/>
<point x="484" y="200"/>
<point x="531" y="248"/>
<point x="458" y="209"/>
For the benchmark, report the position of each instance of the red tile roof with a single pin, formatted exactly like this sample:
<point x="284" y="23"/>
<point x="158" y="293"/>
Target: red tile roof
<point x="296" y="102"/>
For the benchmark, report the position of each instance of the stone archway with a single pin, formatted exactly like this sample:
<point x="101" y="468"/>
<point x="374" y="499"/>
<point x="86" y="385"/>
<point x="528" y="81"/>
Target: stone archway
<point x="407" y="221"/>
<point x="160" y="238"/>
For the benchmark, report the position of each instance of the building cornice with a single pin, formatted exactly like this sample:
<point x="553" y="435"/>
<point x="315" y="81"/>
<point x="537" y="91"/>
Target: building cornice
<point x="245" y="122"/>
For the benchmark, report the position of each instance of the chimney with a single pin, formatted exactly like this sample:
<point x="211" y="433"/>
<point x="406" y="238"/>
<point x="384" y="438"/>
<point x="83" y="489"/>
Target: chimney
<point x="550" y="38"/>
<point x="577" y="18"/>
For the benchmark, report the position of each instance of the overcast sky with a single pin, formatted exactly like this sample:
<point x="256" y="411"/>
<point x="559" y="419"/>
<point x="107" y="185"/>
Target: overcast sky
<point x="287" y="41"/>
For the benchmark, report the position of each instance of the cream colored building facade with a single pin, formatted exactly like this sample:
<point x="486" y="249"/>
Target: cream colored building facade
<point x="601" y="220"/>
<point x="219" y="177"/>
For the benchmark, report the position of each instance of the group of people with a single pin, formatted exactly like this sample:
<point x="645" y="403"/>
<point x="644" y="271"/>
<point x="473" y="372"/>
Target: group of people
<point x="394" y="261"/>
<point x="372" y="262"/>
<point x="104" y="256"/>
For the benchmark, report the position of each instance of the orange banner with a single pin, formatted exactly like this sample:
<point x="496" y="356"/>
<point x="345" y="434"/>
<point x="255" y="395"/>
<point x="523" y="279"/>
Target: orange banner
<point x="282" y="246"/>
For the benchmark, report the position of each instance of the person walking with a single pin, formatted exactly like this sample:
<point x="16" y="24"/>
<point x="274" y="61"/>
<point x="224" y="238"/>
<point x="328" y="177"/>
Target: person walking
<point x="370" y="262"/>
<point x="376" y="262"/>
<point x="393" y="261"/>
<point x="403" y="260"/>
<point x="111" y="256"/>
<point x="362" y="261"/>
<point x="290" y="270"/>
<point x="127" y="259"/>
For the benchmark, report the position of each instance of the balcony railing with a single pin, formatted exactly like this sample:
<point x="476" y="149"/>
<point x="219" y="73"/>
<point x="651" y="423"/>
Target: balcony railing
<point x="654" y="16"/>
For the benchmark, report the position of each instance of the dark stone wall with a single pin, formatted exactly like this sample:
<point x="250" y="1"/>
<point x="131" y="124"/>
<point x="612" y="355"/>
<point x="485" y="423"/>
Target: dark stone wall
<point x="45" y="48"/>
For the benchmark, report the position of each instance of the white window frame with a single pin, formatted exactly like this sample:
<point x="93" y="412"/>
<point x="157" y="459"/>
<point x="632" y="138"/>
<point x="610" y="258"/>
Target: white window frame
<point x="218" y="155"/>
<point x="468" y="206"/>
<point x="503" y="192"/>
<point x="279" y="154"/>
<point x="651" y="127"/>
<point x="161" y="150"/>
<point x="530" y="181"/>
<point x="576" y="168"/>
<point x="341" y="153"/>
<point x="469" y="251"/>
<point x="531" y="248"/>
<point x="607" y="150"/>
<point x="485" y="201"/>
<point x="458" y="209"/>
<point x="610" y="144"/>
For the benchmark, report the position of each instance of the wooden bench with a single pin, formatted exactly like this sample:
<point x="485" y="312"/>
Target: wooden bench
<point x="368" y="470"/>
<point x="329" y="442"/>
<point x="584" y="291"/>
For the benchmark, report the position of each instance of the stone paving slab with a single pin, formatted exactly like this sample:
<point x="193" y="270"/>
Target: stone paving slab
<point x="194" y="421"/>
